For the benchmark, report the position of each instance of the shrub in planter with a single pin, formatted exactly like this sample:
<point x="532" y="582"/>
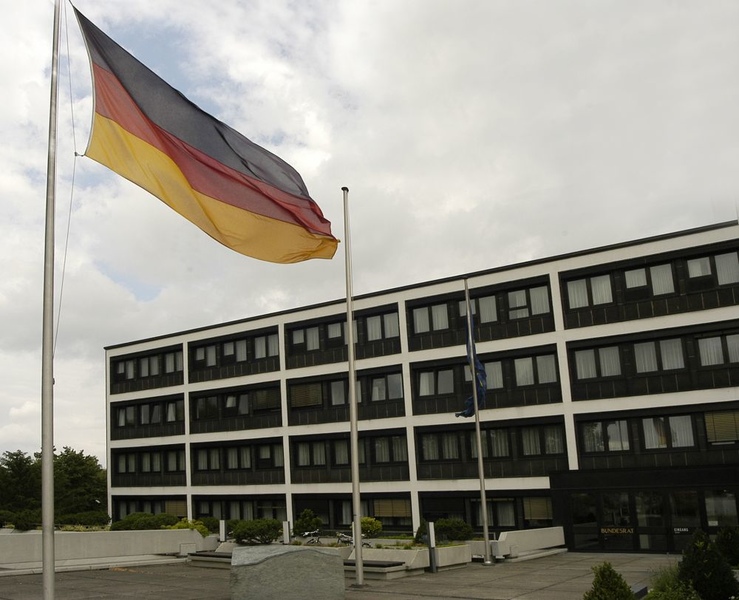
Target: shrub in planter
<point x="136" y="521"/>
<point x="27" y="520"/>
<point x="6" y="517"/>
<point x="608" y="584"/>
<point x="371" y="527"/>
<point x="727" y="542"/>
<point x="86" y="519"/>
<point x="196" y="525"/>
<point x="307" y="521"/>
<point x="422" y="533"/>
<point x="706" y="569"/>
<point x="257" y="531"/>
<point x="211" y="523"/>
<point x="452" y="530"/>
<point x="666" y="585"/>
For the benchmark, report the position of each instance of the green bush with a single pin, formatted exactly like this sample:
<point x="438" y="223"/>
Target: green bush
<point x="422" y="532"/>
<point x="706" y="569"/>
<point x="452" y="530"/>
<point x="727" y="542"/>
<point x="86" y="519"/>
<point x="371" y="527"/>
<point x="666" y="585"/>
<point x="257" y="531"/>
<point x="6" y="517"/>
<point x="307" y="521"/>
<point x="211" y="523"/>
<point x="137" y="521"/>
<point x="26" y="520"/>
<point x="196" y="525"/>
<point x="608" y="584"/>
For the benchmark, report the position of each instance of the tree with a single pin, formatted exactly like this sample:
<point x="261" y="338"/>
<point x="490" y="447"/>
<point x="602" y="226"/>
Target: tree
<point x="79" y="483"/>
<point x="608" y="584"/>
<point x="20" y="482"/>
<point x="706" y="569"/>
<point x="79" y="487"/>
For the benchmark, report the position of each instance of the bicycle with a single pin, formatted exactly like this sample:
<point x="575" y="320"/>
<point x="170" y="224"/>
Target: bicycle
<point x="343" y="538"/>
<point x="313" y="537"/>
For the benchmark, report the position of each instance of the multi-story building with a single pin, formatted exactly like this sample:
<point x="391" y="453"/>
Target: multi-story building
<point x="612" y="406"/>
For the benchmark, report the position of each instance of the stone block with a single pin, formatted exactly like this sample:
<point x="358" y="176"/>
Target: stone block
<point x="278" y="572"/>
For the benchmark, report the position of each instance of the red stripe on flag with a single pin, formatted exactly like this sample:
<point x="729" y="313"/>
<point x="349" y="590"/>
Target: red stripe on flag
<point x="205" y="175"/>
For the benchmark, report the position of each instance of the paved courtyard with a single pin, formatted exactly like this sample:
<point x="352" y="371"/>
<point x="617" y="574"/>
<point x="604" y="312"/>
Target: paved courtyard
<point x="561" y="577"/>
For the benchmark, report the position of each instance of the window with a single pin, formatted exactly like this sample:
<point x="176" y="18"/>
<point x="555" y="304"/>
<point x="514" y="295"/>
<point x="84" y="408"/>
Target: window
<point x="307" y="338"/>
<point x="540" y="369"/>
<point x="208" y="459"/>
<point x="238" y="457"/>
<point x="719" y="350"/>
<point x="668" y="432"/>
<point x="206" y="408"/>
<point x="605" y="436"/>
<point x="598" y="362"/>
<point x="173" y="362"/>
<point x="382" y="326"/>
<point x="126" y="463"/>
<point x="311" y="454"/>
<point x="175" y="461"/>
<point x="658" y="278"/>
<point x="723" y="267"/>
<point x="485" y="309"/>
<point x="590" y="291"/>
<point x="494" y="442"/>
<point x="306" y="394"/>
<point x="175" y="411"/>
<point x="528" y="302"/>
<point x="434" y="383"/>
<point x="264" y="346"/>
<point x="494" y="373"/>
<point x="722" y="427"/>
<point x="664" y="355"/>
<point x="335" y="332"/>
<point x="727" y="268"/>
<point x="541" y="440"/>
<point x="430" y="318"/>
<point x="386" y="387"/>
<point x="269" y="456"/>
<point x="440" y="446"/>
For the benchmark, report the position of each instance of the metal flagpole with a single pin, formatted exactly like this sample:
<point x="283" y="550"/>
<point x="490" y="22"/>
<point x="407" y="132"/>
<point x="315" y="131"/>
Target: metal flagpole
<point x="47" y="351"/>
<point x="353" y="410"/>
<point x="480" y="465"/>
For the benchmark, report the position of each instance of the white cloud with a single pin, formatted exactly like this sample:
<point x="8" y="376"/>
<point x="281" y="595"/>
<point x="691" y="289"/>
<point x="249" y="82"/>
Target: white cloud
<point x="471" y="134"/>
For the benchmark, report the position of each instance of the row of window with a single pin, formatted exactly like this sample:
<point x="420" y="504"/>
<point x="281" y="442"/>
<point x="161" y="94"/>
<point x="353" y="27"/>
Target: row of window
<point x="653" y="281"/>
<point x="662" y="432"/>
<point x="263" y="455"/>
<point x="153" y="365"/>
<point x="655" y="355"/>
<point x="154" y="412"/>
<point x="251" y="348"/>
<point x="659" y="433"/>
<point x="375" y="328"/>
<point x="661" y="279"/>
<point x="508" y="306"/>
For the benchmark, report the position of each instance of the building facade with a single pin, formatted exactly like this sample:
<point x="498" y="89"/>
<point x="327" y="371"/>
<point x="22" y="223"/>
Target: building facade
<point x="612" y="406"/>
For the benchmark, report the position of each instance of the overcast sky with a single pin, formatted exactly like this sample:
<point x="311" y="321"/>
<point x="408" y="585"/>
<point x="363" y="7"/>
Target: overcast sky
<point x="471" y="133"/>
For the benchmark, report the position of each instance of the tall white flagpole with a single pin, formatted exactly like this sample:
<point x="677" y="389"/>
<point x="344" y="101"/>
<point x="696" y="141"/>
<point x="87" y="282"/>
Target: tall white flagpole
<point x="480" y="464"/>
<point x="47" y="343"/>
<point x="353" y="409"/>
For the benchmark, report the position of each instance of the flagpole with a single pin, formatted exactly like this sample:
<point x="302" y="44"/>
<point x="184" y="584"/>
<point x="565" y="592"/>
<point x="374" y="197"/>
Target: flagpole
<point x="47" y="343"/>
<point x="353" y="410"/>
<point x="480" y="464"/>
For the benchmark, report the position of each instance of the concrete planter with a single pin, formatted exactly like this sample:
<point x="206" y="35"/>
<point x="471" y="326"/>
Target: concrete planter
<point x="450" y="557"/>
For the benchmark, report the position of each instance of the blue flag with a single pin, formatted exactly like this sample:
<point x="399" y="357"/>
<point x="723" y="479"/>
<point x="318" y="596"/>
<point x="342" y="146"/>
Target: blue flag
<point x="480" y="378"/>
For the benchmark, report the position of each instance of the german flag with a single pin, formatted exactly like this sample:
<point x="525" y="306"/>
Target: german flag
<point x="237" y="192"/>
